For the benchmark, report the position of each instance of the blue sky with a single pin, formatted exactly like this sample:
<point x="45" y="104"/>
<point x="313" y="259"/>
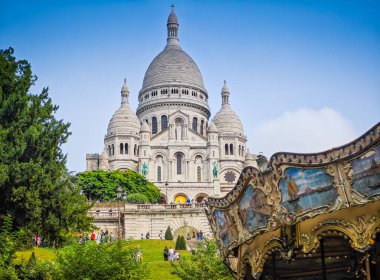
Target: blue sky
<point x="304" y="76"/>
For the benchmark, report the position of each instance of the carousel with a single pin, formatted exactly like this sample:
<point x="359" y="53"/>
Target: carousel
<point x="304" y="216"/>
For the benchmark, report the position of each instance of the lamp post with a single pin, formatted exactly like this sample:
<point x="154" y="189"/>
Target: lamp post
<point x="124" y="197"/>
<point x="118" y="196"/>
<point x="166" y="189"/>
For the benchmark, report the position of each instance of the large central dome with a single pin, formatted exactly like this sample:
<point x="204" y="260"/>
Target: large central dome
<point x="173" y="66"/>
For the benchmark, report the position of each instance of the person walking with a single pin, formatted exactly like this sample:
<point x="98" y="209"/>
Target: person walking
<point x="171" y="254"/>
<point x="166" y="253"/>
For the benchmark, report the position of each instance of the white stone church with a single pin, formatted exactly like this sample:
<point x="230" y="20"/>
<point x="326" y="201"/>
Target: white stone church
<point x="170" y="138"/>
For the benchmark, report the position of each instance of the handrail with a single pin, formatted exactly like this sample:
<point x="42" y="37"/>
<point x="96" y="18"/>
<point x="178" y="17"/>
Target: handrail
<point x="112" y="210"/>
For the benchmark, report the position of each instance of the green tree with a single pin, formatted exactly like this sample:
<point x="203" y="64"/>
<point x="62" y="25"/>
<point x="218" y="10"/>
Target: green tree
<point x="205" y="264"/>
<point x="168" y="234"/>
<point x="34" y="185"/>
<point x="101" y="185"/>
<point x="7" y="250"/>
<point x="180" y="243"/>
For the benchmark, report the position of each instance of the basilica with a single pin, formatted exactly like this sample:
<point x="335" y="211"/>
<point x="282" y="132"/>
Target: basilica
<point x="170" y="139"/>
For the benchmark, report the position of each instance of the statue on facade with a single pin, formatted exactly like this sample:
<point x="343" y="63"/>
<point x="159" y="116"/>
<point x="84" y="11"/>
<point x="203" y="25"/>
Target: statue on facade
<point x="144" y="169"/>
<point x="178" y="132"/>
<point x="215" y="169"/>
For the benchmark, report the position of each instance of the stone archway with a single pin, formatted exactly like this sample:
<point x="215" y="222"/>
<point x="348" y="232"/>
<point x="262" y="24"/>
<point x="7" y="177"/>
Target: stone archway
<point x="180" y="198"/>
<point x="186" y="231"/>
<point x="163" y="199"/>
<point x="200" y="197"/>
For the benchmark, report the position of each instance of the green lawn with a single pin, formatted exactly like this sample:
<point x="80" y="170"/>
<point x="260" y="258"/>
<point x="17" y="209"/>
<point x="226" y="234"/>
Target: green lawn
<point x="152" y="255"/>
<point x="154" y="258"/>
<point x="41" y="254"/>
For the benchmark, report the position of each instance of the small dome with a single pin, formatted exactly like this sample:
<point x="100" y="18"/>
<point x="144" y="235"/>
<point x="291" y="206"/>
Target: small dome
<point x="145" y="127"/>
<point x="212" y="128"/>
<point x="124" y="121"/>
<point x="226" y="120"/>
<point x="125" y="88"/>
<point x="225" y="87"/>
<point x="249" y="156"/>
<point x="172" y="18"/>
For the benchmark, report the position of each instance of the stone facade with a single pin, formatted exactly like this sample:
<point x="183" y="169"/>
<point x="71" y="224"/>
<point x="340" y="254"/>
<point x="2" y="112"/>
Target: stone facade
<point x="171" y="133"/>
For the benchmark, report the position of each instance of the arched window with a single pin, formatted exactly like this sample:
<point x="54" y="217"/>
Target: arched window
<point x="231" y="149"/>
<point x="159" y="173"/>
<point x="213" y="153"/>
<point x="126" y="148"/>
<point x="242" y="151"/>
<point x="113" y="149"/>
<point x="199" y="174"/>
<point x="226" y="149"/>
<point x="109" y="150"/>
<point x="239" y="150"/>
<point x="179" y="164"/>
<point x="195" y="123"/>
<point x="164" y="122"/>
<point x="121" y="148"/>
<point x="154" y="125"/>
<point x="202" y="124"/>
<point x="135" y="150"/>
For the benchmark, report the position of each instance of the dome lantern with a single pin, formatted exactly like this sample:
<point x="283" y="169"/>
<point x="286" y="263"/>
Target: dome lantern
<point x="172" y="26"/>
<point x="225" y="95"/>
<point x="124" y="93"/>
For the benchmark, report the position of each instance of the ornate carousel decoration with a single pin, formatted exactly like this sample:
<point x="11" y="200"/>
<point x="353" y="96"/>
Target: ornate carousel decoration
<point x="304" y="215"/>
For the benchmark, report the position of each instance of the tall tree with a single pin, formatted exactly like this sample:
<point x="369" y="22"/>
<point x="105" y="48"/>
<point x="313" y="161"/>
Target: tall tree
<point x="34" y="185"/>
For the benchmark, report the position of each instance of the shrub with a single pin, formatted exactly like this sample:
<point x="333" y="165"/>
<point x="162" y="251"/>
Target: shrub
<point x="206" y="263"/>
<point x="180" y="244"/>
<point x="104" y="261"/>
<point x="168" y="234"/>
<point x="137" y="198"/>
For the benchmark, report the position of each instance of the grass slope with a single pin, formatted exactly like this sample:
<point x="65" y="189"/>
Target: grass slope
<point x="152" y="255"/>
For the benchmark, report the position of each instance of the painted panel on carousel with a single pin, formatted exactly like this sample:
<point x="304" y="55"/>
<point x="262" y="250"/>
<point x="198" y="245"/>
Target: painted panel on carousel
<point x="253" y="209"/>
<point x="305" y="189"/>
<point x="224" y="225"/>
<point x="366" y="173"/>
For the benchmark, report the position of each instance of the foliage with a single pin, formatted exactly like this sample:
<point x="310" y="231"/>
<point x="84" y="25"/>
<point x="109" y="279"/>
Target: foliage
<point x="103" y="261"/>
<point x="180" y="244"/>
<point x="7" y="250"/>
<point x="34" y="185"/>
<point x="205" y="264"/>
<point x="35" y="269"/>
<point x="168" y="234"/>
<point x="137" y="198"/>
<point x="101" y="185"/>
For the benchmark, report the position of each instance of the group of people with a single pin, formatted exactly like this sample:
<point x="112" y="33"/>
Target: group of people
<point x="171" y="254"/>
<point x="147" y="235"/>
<point x="98" y="237"/>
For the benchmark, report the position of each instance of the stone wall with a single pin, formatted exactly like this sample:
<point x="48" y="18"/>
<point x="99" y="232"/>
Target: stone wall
<point x="140" y="219"/>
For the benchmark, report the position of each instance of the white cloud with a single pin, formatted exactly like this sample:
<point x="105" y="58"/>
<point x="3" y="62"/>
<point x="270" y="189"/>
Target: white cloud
<point x="304" y="131"/>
